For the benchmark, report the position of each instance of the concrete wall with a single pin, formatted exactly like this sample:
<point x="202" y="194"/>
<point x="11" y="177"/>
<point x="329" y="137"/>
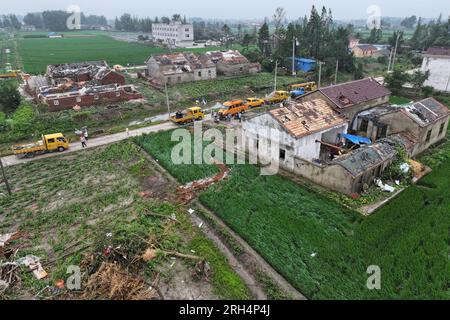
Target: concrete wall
<point x="439" y="67"/>
<point x="307" y="148"/>
<point x="205" y="74"/>
<point x="435" y="136"/>
<point x="398" y="122"/>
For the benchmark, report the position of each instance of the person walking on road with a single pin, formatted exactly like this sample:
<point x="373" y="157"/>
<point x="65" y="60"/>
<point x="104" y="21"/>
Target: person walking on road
<point x="83" y="141"/>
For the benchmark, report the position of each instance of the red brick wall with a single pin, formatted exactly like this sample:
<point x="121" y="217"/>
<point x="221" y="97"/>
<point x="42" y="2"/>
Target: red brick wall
<point x="113" y="78"/>
<point x="68" y="103"/>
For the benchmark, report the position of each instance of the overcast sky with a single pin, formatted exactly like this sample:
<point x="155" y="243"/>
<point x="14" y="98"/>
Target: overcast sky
<point x="342" y="9"/>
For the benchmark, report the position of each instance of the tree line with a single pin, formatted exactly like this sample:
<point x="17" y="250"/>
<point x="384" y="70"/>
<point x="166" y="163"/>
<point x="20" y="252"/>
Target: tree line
<point x="53" y="20"/>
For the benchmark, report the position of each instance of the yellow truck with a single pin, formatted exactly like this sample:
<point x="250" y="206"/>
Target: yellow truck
<point x="255" y="102"/>
<point x="277" y="97"/>
<point x="49" y="143"/>
<point x="189" y="115"/>
<point x="307" y="86"/>
<point x="232" y="109"/>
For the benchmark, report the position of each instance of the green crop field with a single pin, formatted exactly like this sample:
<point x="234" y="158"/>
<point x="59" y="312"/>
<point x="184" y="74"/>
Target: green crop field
<point x="37" y="53"/>
<point x="65" y="206"/>
<point x="325" y="250"/>
<point x="159" y="145"/>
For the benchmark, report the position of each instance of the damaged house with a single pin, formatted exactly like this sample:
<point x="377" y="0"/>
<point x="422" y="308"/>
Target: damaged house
<point x="310" y="136"/>
<point x="95" y="72"/>
<point x="232" y="63"/>
<point x="89" y="96"/>
<point x="298" y="128"/>
<point x="83" y="84"/>
<point x="352" y="97"/>
<point x="180" y="68"/>
<point x="423" y="123"/>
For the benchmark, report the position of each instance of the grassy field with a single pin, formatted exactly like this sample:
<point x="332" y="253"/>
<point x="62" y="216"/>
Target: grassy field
<point x="159" y="145"/>
<point x="324" y="250"/>
<point x="65" y="206"/>
<point x="37" y="53"/>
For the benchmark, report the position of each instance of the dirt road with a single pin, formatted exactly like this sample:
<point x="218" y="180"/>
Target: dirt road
<point x="96" y="142"/>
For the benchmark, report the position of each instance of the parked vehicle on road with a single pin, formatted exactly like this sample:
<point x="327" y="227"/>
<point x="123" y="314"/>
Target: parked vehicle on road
<point x="187" y="116"/>
<point x="233" y="108"/>
<point x="49" y="143"/>
<point x="255" y="102"/>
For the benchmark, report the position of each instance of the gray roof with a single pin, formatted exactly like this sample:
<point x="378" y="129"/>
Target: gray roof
<point x="366" y="158"/>
<point x="426" y="112"/>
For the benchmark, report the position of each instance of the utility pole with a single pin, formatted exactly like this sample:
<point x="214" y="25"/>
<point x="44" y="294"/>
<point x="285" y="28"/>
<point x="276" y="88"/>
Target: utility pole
<point x="390" y="59"/>
<point x="8" y="188"/>
<point x="294" y="44"/>
<point x="167" y="98"/>
<point x="276" y="74"/>
<point x="320" y="73"/>
<point x="396" y="47"/>
<point x="337" y="70"/>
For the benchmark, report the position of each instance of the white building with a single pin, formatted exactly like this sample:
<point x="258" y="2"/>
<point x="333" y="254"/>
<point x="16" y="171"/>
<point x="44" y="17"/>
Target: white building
<point x="175" y="34"/>
<point x="299" y="129"/>
<point x="437" y="61"/>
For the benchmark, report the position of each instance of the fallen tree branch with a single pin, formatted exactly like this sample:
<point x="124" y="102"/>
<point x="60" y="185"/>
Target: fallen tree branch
<point x="151" y="214"/>
<point x="181" y="255"/>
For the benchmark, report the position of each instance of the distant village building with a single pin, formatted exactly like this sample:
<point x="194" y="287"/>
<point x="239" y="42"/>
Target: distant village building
<point x="421" y="124"/>
<point x="353" y="97"/>
<point x="232" y="63"/>
<point x="437" y="61"/>
<point x="175" y="33"/>
<point x="180" y="68"/>
<point x="352" y="42"/>
<point x="28" y="28"/>
<point x="364" y="50"/>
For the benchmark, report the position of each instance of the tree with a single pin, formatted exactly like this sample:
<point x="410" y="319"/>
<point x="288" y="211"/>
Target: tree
<point x="9" y="98"/>
<point x="278" y="20"/>
<point x="418" y="39"/>
<point x="176" y="17"/>
<point x="418" y="78"/>
<point x="409" y="22"/>
<point x="55" y="20"/>
<point x="34" y="19"/>
<point x="246" y="41"/>
<point x="396" y="80"/>
<point x="226" y="35"/>
<point x="264" y="38"/>
<point x="375" y="35"/>
<point x="359" y="71"/>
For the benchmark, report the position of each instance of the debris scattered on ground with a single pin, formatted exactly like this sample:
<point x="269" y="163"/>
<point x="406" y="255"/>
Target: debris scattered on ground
<point x="203" y="269"/>
<point x="4" y="239"/>
<point x="187" y="193"/>
<point x="149" y="255"/>
<point x="112" y="282"/>
<point x="34" y="265"/>
<point x="384" y="187"/>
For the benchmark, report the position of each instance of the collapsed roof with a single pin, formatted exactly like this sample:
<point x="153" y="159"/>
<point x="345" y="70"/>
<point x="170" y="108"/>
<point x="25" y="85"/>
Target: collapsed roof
<point x="69" y="70"/>
<point x="182" y="62"/>
<point x="305" y="118"/>
<point x="228" y="57"/>
<point x="426" y="112"/>
<point x="363" y="159"/>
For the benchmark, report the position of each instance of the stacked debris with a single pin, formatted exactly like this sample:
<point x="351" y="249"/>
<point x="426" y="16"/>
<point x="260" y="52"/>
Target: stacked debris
<point x="187" y="193"/>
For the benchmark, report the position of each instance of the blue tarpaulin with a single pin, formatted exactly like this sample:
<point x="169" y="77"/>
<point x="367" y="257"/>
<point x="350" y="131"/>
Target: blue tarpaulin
<point x="305" y="65"/>
<point x="357" y="139"/>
